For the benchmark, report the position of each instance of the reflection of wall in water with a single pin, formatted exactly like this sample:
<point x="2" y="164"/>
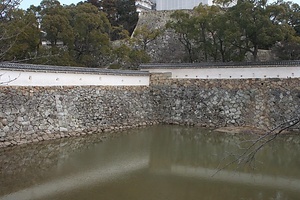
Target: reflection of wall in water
<point x="187" y="147"/>
<point x="180" y="147"/>
<point x="24" y="166"/>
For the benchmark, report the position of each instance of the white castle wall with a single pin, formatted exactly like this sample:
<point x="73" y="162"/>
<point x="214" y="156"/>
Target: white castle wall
<point x="229" y="73"/>
<point x="37" y="78"/>
<point x="179" y="4"/>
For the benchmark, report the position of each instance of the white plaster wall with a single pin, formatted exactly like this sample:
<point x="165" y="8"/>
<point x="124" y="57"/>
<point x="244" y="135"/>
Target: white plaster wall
<point x="21" y="78"/>
<point x="230" y="73"/>
<point x="178" y="4"/>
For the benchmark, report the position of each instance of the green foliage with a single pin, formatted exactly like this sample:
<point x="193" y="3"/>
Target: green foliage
<point x="115" y="66"/>
<point x="184" y="25"/>
<point x="207" y="26"/>
<point x="286" y="13"/>
<point x="55" y="23"/>
<point x="19" y="35"/>
<point x="91" y="40"/>
<point x="145" y="35"/>
<point x="49" y="5"/>
<point x="6" y="7"/>
<point x="125" y="57"/>
<point x="81" y="34"/>
<point x="121" y="14"/>
<point x="127" y="16"/>
<point x="54" y="56"/>
<point x="8" y="31"/>
<point x="77" y="35"/>
<point x="227" y="34"/>
<point x="96" y="3"/>
<point x="288" y="50"/>
<point x="137" y="57"/>
<point x="255" y="28"/>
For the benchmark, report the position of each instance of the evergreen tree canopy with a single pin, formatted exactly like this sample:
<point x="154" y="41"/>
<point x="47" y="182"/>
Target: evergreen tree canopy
<point x="121" y="13"/>
<point x="228" y="34"/>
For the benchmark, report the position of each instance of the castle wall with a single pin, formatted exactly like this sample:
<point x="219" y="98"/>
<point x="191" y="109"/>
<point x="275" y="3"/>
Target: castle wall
<point x="31" y="114"/>
<point x="37" y="113"/>
<point x="165" y="48"/>
<point x="247" y="72"/>
<point x="261" y="103"/>
<point x="43" y="75"/>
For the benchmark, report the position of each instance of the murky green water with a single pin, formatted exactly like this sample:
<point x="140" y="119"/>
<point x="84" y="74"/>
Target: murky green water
<point x="155" y="163"/>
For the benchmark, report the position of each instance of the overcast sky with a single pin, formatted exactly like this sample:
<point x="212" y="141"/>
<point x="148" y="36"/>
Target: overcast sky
<point x="26" y="3"/>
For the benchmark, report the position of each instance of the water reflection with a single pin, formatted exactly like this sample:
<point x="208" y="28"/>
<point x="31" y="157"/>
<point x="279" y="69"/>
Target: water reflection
<point x="161" y="162"/>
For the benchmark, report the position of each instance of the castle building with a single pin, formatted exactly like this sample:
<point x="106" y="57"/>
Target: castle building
<point x="179" y="4"/>
<point x="144" y="5"/>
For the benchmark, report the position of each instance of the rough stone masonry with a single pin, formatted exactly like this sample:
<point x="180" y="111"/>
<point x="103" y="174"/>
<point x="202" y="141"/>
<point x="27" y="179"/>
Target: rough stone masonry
<point x="261" y="103"/>
<point x="32" y="114"/>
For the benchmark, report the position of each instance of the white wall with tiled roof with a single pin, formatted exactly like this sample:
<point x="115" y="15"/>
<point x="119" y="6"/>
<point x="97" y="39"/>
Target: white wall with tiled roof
<point x="27" y="75"/>
<point x="223" y="72"/>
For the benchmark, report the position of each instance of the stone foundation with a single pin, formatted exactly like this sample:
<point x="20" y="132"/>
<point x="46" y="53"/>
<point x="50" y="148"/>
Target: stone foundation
<point x="32" y="114"/>
<point x="261" y="103"/>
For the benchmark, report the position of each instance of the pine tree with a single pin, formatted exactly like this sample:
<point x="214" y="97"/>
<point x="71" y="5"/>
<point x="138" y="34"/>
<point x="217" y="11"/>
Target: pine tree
<point x="121" y="14"/>
<point x="96" y="3"/>
<point x="127" y="15"/>
<point x="109" y="7"/>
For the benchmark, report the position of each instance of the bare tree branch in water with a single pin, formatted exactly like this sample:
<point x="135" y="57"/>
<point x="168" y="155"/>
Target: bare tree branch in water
<point x="283" y="103"/>
<point x="247" y="157"/>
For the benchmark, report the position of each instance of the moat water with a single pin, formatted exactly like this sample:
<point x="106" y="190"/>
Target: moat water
<point x="154" y="163"/>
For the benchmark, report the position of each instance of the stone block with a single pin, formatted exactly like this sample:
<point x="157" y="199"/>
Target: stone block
<point x="2" y="134"/>
<point x="25" y="123"/>
<point x="4" y="122"/>
<point x="63" y="129"/>
<point x="20" y="119"/>
<point x="6" y="129"/>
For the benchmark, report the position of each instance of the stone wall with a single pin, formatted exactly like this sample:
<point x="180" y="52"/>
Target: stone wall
<point x="262" y="103"/>
<point x="166" y="48"/>
<point x="31" y="114"/>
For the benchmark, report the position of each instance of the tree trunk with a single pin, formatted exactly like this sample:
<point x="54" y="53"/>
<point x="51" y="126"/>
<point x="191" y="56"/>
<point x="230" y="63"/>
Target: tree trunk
<point x="255" y="52"/>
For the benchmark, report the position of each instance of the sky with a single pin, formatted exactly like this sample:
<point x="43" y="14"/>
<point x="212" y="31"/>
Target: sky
<point x="26" y="3"/>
